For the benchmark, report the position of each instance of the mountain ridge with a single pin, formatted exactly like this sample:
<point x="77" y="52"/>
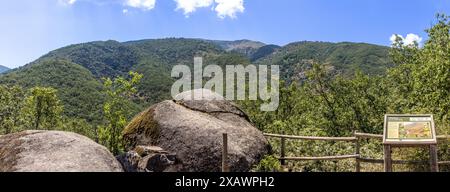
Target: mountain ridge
<point x="87" y="63"/>
<point x="4" y="69"/>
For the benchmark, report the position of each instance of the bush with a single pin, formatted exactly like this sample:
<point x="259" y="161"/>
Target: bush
<point x="268" y="164"/>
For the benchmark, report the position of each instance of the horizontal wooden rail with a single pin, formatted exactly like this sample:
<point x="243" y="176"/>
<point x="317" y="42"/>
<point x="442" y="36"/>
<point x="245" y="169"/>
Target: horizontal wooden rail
<point x="368" y="135"/>
<point x="444" y="163"/>
<point x="375" y="136"/>
<point x="443" y="137"/>
<point x="311" y="138"/>
<point x="356" y="156"/>
<point x="319" y="158"/>
<point x="368" y="160"/>
<point x="381" y="161"/>
<point x="357" y="135"/>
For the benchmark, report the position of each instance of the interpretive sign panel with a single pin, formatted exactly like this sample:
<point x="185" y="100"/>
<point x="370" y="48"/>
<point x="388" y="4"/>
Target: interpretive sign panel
<point x="409" y="130"/>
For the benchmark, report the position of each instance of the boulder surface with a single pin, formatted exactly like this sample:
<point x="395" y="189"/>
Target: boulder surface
<point x="54" y="151"/>
<point x="192" y="129"/>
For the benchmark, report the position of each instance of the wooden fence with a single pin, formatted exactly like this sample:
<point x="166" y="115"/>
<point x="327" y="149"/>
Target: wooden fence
<point x="357" y="156"/>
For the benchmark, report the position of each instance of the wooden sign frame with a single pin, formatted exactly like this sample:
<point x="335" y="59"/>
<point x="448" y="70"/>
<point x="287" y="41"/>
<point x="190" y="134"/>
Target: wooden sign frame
<point x="392" y="137"/>
<point x="426" y="118"/>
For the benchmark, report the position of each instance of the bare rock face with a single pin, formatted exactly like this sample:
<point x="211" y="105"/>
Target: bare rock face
<point x="54" y="151"/>
<point x="192" y="129"/>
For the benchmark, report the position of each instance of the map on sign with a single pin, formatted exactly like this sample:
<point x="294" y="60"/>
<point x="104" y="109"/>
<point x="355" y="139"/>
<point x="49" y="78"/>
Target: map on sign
<point x="409" y="129"/>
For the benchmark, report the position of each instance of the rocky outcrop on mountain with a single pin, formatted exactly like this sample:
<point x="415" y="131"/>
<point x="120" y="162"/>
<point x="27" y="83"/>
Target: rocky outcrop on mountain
<point x="192" y="129"/>
<point x="54" y="151"/>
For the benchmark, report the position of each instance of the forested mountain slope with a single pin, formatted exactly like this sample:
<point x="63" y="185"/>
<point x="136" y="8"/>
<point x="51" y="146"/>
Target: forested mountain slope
<point x="76" y="71"/>
<point x="343" y="58"/>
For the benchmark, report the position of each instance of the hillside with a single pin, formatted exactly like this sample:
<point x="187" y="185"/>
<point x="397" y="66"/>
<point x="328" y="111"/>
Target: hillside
<point x="3" y="69"/>
<point x="244" y="47"/>
<point x="77" y="70"/>
<point x="77" y="87"/>
<point x="264" y="51"/>
<point x="343" y="58"/>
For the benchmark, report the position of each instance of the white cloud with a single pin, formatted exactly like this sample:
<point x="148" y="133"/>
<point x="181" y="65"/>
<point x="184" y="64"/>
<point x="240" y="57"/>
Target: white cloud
<point x="141" y="4"/>
<point x="229" y="8"/>
<point x="223" y="8"/>
<point x="411" y="38"/>
<point x="408" y="40"/>
<point x="394" y="37"/>
<point x="67" y="2"/>
<point x="190" y="6"/>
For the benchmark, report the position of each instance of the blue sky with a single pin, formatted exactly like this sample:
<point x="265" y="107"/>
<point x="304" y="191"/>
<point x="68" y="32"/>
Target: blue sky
<point x="31" y="28"/>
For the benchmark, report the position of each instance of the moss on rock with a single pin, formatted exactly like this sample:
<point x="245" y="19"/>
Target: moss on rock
<point x="141" y="125"/>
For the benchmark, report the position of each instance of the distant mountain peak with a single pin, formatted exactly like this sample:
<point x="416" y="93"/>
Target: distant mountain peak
<point x="3" y="69"/>
<point x="238" y="44"/>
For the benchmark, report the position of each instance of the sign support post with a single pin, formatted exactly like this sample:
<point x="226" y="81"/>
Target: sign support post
<point x="387" y="158"/>
<point x="433" y="159"/>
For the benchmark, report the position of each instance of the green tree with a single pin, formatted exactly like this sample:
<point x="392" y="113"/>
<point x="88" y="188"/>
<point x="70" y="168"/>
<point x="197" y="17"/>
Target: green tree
<point x="43" y="108"/>
<point x="79" y="126"/>
<point x="11" y="104"/>
<point x="117" y="109"/>
<point x="421" y="80"/>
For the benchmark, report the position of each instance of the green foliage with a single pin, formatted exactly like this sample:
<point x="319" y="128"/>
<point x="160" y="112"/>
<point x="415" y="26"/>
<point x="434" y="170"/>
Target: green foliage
<point x="340" y="58"/>
<point x="268" y="164"/>
<point x="37" y="108"/>
<point x="116" y="110"/>
<point x="102" y="59"/>
<point x="332" y="89"/>
<point x="264" y="51"/>
<point x="78" y="90"/>
<point x="326" y="103"/>
<point x="42" y="108"/>
<point x="11" y="105"/>
<point x="76" y="71"/>
<point x="79" y="126"/>
<point x="421" y="80"/>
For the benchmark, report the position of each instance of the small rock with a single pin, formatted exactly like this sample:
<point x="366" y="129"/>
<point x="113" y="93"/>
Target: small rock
<point x="130" y="161"/>
<point x="157" y="162"/>
<point x="146" y="150"/>
<point x="148" y="159"/>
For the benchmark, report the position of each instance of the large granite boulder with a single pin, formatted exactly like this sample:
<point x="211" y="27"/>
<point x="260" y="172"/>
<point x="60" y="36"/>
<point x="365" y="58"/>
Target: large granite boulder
<point x="54" y="151"/>
<point x="192" y="129"/>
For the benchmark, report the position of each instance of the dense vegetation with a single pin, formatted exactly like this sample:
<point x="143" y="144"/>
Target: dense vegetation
<point x="340" y="58"/>
<point x="332" y="89"/>
<point x="76" y="71"/>
<point x="77" y="88"/>
<point x="39" y="108"/>
<point x="325" y="104"/>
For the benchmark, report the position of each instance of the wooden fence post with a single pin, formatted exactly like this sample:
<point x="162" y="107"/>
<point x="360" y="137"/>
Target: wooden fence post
<point x="433" y="159"/>
<point x="225" y="167"/>
<point x="357" y="152"/>
<point x="283" y="152"/>
<point x="387" y="158"/>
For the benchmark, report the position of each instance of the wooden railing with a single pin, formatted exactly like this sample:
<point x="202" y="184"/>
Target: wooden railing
<point x="357" y="155"/>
